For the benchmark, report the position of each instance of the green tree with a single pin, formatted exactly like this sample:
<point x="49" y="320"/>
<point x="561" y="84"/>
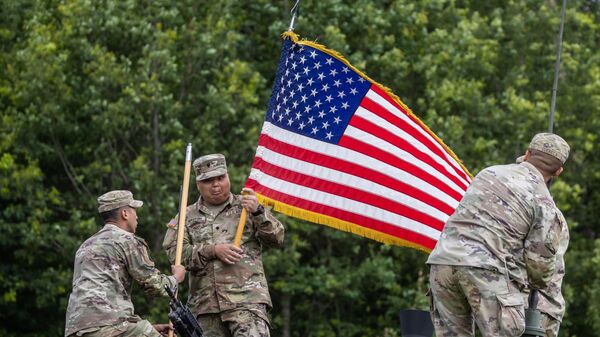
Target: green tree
<point x="100" y="95"/>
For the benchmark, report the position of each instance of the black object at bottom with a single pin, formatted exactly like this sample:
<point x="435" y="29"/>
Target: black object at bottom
<point x="415" y="323"/>
<point x="183" y="320"/>
<point x="533" y="317"/>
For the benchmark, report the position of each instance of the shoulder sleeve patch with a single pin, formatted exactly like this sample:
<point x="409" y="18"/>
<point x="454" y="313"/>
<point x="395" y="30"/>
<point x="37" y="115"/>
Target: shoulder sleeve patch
<point x="172" y="223"/>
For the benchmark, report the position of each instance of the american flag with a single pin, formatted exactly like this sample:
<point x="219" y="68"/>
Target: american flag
<point x="337" y="149"/>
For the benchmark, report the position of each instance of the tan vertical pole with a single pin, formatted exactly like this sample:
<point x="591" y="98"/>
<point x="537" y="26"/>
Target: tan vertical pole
<point x="183" y="204"/>
<point x="240" y="228"/>
<point x="183" y="209"/>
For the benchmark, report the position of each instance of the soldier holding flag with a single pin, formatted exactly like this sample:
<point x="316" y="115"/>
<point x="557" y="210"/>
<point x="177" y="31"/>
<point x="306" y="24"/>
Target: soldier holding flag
<point x="228" y="288"/>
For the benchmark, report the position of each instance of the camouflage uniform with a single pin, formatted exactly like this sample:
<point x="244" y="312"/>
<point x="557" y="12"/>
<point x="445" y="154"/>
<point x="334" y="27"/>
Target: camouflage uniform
<point x="236" y="296"/>
<point x="551" y="301"/>
<point x="105" y="266"/>
<point x="506" y="225"/>
<point x="502" y="237"/>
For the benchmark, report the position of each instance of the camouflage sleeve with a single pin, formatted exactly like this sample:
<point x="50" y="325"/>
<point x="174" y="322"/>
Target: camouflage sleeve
<point x="551" y="301"/>
<point x="143" y="271"/>
<point x="194" y="256"/>
<point x="541" y="245"/>
<point x="270" y="231"/>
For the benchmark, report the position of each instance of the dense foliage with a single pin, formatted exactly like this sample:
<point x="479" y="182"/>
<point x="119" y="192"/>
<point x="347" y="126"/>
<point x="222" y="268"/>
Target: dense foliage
<point x="101" y="95"/>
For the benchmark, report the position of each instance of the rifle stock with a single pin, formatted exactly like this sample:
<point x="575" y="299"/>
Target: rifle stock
<point x="182" y="318"/>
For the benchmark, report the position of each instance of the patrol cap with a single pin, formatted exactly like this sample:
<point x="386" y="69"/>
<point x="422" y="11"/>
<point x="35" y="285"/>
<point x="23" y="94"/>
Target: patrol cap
<point x="551" y="144"/>
<point x="116" y="199"/>
<point x="211" y="165"/>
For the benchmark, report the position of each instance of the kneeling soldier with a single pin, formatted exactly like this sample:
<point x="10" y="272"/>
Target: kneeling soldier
<point x="105" y="266"/>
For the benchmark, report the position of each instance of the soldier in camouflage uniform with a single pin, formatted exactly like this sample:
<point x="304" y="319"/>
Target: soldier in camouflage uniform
<point x="502" y="238"/>
<point x="105" y="266"/>
<point x="228" y="288"/>
<point x="551" y="301"/>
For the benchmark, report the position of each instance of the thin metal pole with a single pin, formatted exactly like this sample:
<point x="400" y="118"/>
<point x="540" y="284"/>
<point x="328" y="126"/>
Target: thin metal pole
<point x="295" y="12"/>
<point x="557" y="66"/>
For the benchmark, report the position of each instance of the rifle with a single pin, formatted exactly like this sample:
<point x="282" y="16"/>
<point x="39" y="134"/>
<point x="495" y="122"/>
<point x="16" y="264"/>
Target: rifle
<point x="182" y="318"/>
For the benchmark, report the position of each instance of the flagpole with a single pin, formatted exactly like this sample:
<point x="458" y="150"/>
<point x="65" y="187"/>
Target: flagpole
<point x="532" y="314"/>
<point x="557" y="66"/>
<point x="295" y="12"/>
<point x="183" y="209"/>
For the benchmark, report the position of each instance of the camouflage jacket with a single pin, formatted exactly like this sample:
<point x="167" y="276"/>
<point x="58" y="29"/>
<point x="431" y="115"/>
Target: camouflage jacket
<point x="507" y="222"/>
<point x="215" y="286"/>
<point x="105" y="266"/>
<point x="551" y="300"/>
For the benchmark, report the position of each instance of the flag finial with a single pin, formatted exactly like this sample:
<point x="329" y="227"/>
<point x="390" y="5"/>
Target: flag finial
<point x="295" y="12"/>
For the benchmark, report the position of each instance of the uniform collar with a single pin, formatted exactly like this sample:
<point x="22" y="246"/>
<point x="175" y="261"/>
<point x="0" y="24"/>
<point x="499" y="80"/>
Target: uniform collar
<point x="535" y="171"/>
<point x="113" y="227"/>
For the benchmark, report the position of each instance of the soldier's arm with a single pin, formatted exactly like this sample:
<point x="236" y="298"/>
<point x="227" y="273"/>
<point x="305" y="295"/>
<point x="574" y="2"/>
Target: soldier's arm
<point x="541" y="245"/>
<point x="143" y="271"/>
<point x="269" y="230"/>
<point x="194" y="255"/>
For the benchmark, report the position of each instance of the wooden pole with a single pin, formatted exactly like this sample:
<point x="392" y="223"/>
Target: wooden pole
<point x="183" y="209"/>
<point x="183" y="204"/>
<point x="240" y="228"/>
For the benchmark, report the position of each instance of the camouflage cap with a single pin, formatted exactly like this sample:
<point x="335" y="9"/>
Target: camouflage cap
<point x="551" y="144"/>
<point x="211" y="165"/>
<point x="115" y="199"/>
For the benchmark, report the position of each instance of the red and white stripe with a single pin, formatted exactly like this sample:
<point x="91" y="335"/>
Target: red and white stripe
<point x="387" y="173"/>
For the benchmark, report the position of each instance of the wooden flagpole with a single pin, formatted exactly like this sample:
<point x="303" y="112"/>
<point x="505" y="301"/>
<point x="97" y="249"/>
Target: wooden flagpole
<point x="183" y="209"/>
<point x="240" y="228"/>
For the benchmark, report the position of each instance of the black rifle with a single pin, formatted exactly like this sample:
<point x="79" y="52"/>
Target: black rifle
<point x="183" y="320"/>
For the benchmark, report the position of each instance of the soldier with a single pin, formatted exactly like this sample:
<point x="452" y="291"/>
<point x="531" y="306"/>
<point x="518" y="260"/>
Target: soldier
<point x="551" y="301"/>
<point x="502" y="238"/>
<point x="105" y="266"/>
<point x="228" y="289"/>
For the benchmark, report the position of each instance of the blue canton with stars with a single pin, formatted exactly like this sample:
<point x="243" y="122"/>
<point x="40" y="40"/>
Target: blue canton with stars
<point x="314" y="93"/>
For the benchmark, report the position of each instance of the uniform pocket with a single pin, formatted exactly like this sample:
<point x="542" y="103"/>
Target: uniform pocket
<point x="511" y="318"/>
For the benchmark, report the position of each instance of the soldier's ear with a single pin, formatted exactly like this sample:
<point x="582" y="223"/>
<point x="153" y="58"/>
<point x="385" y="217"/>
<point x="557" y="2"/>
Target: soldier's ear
<point x="124" y="214"/>
<point x="558" y="172"/>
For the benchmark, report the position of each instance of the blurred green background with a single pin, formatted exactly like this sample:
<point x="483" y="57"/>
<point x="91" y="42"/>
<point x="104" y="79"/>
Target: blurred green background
<point x="104" y="94"/>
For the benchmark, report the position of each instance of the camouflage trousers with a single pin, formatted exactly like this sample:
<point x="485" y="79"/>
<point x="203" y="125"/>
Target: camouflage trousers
<point x="464" y="296"/>
<point x="237" y="323"/>
<point x="550" y="324"/>
<point x="141" y="328"/>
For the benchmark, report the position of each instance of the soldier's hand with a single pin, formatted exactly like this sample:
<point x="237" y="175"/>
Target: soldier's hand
<point x="178" y="272"/>
<point x="249" y="200"/>
<point x="163" y="329"/>
<point x="228" y="253"/>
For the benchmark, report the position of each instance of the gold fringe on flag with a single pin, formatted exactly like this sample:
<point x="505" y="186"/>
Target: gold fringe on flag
<point x="345" y="226"/>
